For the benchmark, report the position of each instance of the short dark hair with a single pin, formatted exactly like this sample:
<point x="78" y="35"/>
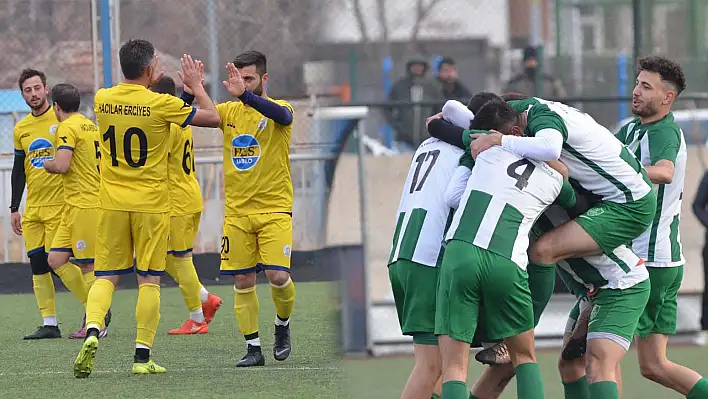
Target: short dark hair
<point x="166" y="85"/>
<point x="67" y="96"/>
<point x="30" y="73"/>
<point x="670" y="71"/>
<point x="447" y="60"/>
<point x="135" y="56"/>
<point x="481" y="98"/>
<point x="252" y="57"/>
<point x="512" y="96"/>
<point x="494" y="115"/>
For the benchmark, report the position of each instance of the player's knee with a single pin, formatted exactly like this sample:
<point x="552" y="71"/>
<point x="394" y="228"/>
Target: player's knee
<point x="39" y="264"/>
<point x="277" y="277"/>
<point x="243" y="281"/>
<point x="571" y="370"/>
<point x="652" y="370"/>
<point x="541" y="252"/>
<point x="54" y="260"/>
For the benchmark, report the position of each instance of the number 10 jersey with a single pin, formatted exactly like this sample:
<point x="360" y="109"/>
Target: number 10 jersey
<point x="504" y="196"/>
<point x="134" y="124"/>
<point x="422" y="213"/>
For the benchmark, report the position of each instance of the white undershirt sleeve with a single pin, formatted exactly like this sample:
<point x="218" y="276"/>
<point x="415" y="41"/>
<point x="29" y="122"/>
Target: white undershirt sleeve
<point x="456" y="186"/>
<point x="457" y="113"/>
<point x="546" y="146"/>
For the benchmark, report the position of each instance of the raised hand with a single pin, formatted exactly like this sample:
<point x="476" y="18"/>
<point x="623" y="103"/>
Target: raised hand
<point x="235" y="85"/>
<point x="191" y="74"/>
<point x="157" y="73"/>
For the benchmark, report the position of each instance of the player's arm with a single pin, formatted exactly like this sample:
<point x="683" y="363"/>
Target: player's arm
<point x="566" y="197"/>
<point x="559" y="167"/>
<point x="447" y="132"/>
<point x="458" y="183"/>
<point x="17" y="180"/>
<point x="663" y="146"/>
<point x="457" y="113"/>
<point x="66" y="140"/>
<point x="699" y="203"/>
<point x="279" y="114"/>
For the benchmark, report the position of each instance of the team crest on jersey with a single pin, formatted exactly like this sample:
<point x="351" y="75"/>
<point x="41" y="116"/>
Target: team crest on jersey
<point x="262" y="123"/>
<point x="245" y="152"/>
<point x="53" y="129"/>
<point x="40" y="150"/>
<point x="287" y="250"/>
<point x="592" y="212"/>
<point x="80" y="245"/>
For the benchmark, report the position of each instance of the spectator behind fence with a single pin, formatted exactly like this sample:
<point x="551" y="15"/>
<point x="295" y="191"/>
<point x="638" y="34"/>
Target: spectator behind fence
<point x="452" y="88"/>
<point x="525" y="82"/>
<point x="409" y="121"/>
<point x="699" y="209"/>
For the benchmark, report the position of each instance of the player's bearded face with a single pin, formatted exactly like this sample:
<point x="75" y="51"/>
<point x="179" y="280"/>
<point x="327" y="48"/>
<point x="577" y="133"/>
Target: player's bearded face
<point x="647" y="95"/>
<point x="34" y="92"/>
<point x="259" y="89"/>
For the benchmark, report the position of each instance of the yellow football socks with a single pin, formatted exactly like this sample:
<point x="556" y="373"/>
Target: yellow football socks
<point x="283" y="298"/>
<point x="89" y="279"/>
<point x="147" y="313"/>
<point x="246" y="308"/>
<point x="44" y="292"/>
<point x="72" y="278"/>
<point x="99" y="301"/>
<point x="188" y="282"/>
<point x="171" y="268"/>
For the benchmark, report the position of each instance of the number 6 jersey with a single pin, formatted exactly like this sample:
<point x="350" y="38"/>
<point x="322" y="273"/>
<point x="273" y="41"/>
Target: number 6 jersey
<point x="504" y="196"/>
<point x="422" y="213"/>
<point x="134" y="124"/>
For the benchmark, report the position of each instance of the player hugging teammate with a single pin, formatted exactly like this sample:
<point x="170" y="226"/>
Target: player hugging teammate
<point x="508" y="201"/>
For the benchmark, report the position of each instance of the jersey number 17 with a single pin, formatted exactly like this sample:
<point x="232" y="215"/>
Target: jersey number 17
<point x="431" y="156"/>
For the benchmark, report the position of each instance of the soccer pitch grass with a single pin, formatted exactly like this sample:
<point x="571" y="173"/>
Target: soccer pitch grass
<point x="385" y="377"/>
<point x="198" y="366"/>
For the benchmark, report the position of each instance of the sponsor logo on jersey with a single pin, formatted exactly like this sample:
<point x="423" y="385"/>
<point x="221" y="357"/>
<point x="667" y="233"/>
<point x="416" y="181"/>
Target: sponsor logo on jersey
<point x="80" y="245"/>
<point x="262" y="123"/>
<point x="245" y="152"/>
<point x="40" y="150"/>
<point x="287" y="250"/>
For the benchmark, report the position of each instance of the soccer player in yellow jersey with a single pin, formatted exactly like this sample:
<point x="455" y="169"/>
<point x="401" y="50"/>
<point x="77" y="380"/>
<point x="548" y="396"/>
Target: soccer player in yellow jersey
<point x="77" y="160"/>
<point x="257" y="232"/>
<point x="133" y="199"/>
<point x="34" y="145"/>
<point x="185" y="211"/>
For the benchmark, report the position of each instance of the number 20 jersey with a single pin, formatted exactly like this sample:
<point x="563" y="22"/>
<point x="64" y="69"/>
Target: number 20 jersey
<point x="504" y="196"/>
<point x="423" y="214"/>
<point x="134" y="124"/>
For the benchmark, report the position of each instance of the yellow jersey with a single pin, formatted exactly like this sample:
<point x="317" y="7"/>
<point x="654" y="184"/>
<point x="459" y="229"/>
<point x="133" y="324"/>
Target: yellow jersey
<point x="80" y="135"/>
<point x="256" y="161"/>
<point x="34" y="138"/>
<point x="134" y="123"/>
<point x="185" y="194"/>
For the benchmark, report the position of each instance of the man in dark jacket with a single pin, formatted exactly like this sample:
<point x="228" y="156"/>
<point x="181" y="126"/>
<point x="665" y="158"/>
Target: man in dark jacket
<point x="525" y="82"/>
<point x="452" y="88"/>
<point x="416" y="86"/>
<point x="700" y="203"/>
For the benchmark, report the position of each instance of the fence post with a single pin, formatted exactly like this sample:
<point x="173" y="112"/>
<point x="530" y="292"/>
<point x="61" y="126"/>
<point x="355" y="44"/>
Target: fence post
<point x="106" y="49"/>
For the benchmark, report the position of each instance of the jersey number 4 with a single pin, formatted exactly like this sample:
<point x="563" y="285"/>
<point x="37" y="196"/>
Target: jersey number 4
<point x="110" y="136"/>
<point x="431" y="156"/>
<point x="522" y="179"/>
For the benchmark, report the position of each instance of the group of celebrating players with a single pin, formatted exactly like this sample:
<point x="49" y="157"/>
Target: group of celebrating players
<point x="107" y="199"/>
<point x="518" y="188"/>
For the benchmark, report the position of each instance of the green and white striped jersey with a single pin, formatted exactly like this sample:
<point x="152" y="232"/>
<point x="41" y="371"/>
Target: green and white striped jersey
<point x="504" y="195"/>
<point x="423" y="215"/>
<point x="620" y="269"/>
<point x="660" y="245"/>
<point x="596" y="160"/>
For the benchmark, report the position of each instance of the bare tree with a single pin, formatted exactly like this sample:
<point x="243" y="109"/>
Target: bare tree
<point x="423" y="9"/>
